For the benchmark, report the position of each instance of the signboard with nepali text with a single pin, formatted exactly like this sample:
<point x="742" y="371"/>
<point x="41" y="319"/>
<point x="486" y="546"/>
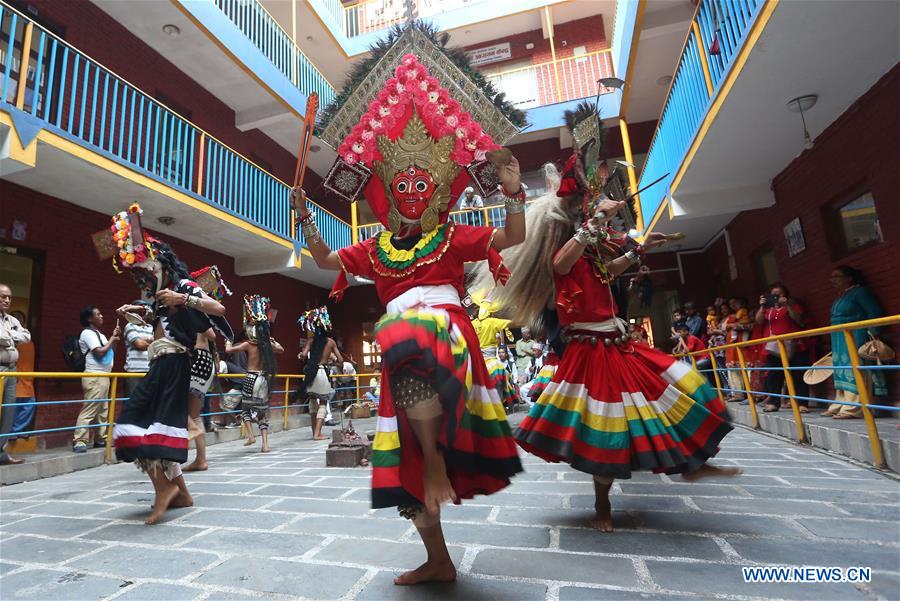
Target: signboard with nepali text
<point x="489" y="54"/>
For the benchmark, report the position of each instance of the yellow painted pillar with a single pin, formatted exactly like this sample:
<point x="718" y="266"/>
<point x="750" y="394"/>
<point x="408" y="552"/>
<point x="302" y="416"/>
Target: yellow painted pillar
<point x="201" y="162"/>
<point x="704" y="63"/>
<point x="715" y="370"/>
<point x="23" y="68"/>
<point x="111" y="417"/>
<point x="632" y="176"/>
<point x="354" y="222"/>
<point x="549" y="20"/>
<point x="862" y="386"/>
<point x="754" y="418"/>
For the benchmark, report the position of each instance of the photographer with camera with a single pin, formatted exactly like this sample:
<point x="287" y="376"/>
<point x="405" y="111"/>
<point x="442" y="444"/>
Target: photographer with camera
<point x="779" y="314"/>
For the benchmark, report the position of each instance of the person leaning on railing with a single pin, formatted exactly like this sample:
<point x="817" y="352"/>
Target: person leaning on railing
<point x="780" y="314"/>
<point x="855" y="302"/>
<point x="11" y="333"/>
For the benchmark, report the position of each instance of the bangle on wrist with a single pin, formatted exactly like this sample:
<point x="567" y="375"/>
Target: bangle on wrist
<point x="584" y="236"/>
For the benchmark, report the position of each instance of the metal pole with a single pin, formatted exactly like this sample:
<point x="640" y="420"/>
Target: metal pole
<point x="754" y="417"/>
<point x="287" y="392"/>
<point x="863" y="390"/>
<point x="111" y="417"/>
<point x="789" y="382"/>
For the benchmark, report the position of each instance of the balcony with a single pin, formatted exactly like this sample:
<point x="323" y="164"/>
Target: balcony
<point x="725" y="130"/>
<point x="71" y="127"/>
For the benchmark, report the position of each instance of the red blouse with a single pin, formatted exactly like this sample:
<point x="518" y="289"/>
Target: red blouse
<point x="445" y="264"/>
<point x="582" y="297"/>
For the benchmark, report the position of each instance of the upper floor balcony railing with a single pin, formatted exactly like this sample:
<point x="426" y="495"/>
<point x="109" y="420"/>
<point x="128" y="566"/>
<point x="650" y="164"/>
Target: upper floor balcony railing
<point x="718" y="32"/>
<point x="276" y="44"/>
<point x="370" y="16"/>
<point x="74" y="96"/>
<point x="554" y="81"/>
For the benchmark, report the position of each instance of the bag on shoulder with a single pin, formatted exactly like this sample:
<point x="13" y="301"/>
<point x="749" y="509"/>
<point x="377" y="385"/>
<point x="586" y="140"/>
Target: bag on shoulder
<point x="875" y="350"/>
<point x="72" y="354"/>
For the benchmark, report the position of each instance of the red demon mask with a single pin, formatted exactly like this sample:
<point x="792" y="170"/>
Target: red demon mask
<point x="413" y="189"/>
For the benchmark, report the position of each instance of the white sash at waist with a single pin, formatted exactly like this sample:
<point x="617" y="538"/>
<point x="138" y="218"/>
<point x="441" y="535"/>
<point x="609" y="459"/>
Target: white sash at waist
<point x="614" y="324"/>
<point x="428" y="296"/>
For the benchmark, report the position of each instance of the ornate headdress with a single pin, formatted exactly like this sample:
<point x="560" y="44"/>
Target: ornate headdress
<point x="315" y="320"/>
<point x="412" y="127"/>
<point x="256" y="309"/>
<point x="132" y="244"/>
<point x="210" y="279"/>
<point x="581" y="174"/>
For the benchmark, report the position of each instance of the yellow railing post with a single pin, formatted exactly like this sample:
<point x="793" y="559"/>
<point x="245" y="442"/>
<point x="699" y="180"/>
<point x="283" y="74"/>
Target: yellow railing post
<point x="484" y="216"/>
<point x="23" y="67"/>
<point x="632" y="177"/>
<point x="862" y="388"/>
<point x="354" y="223"/>
<point x="789" y="382"/>
<point x="701" y="47"/>
<point x="693" y="361"/>
<point x="358" y="395"/>
<point x="111" y="417"/>
<point x="2" y="384"/>
<point x="715" y="370"/>
<point x="287" y="393"/>
<point x="754" y="417"/>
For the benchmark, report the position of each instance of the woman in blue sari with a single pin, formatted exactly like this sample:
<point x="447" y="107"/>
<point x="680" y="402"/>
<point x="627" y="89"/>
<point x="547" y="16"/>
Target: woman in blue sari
<point x="855" y="303"/>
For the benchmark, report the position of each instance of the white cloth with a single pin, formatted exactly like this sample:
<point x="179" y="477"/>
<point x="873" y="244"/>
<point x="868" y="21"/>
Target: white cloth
<point x="89" y="340"/>
<point x="610" y="325"/>
<point x="321" y="385"/>
<point x="427" y="296"/>
<point x="135" y="360"/>
<point x="11" y="333"/>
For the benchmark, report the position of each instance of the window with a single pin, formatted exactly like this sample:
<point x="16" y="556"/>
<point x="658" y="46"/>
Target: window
<point x="765" y="266"/>
<point x="853" y="225"/>
<point x="371" y="360"/>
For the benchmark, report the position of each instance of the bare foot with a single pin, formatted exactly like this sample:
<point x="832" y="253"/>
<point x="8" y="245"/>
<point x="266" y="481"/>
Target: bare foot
<point x="182" y="499"/>
<point x="320" y="437"/>
<point x="428" y="572"/>
<point x="709" y="471"/>
<point x="250" y="442"/>
<point x="265" y="449"/>
<point x="163" y="499"/>
<point x="196" y="467"/>
<point x="438" y="489"/>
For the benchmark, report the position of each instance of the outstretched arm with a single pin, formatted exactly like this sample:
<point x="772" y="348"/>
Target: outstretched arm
<point x="322" y="255"/>
<point x="276" y="346"/>
<point x="513" y="231"/>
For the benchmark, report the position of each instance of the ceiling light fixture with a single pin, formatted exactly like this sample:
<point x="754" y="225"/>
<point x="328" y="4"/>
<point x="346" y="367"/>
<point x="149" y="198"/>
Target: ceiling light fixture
<point x="171" y="30"/>
<point x="664" y="81"/>
<point x="611" y="82"/>
<point x="798" y="105"/>
<point x="166" y="220"/>
<point x="315" y="148"/>
<point x="625" y="164"/>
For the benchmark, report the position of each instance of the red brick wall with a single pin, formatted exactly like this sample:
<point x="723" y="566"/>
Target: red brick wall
<point x="74" y="278"/>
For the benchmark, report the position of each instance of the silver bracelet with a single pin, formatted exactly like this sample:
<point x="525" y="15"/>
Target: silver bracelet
<point x="514" y="206"/>
<point x="584" y="236"/>
<point x="309" y="229"/>
<point x="633" y="257"/>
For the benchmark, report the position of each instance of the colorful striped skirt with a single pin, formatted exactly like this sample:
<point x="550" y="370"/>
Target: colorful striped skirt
<point x="433" y="345"/>
<point x="509" y="393"/>
<point x="610" y="410"/>
<point x="540" y="382"/>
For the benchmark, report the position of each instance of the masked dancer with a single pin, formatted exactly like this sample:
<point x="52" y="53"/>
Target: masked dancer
<point x="493" y="332"/>
<point x="151" y="430"/>
<point x="613" y="405"/>
<point x="261" y="349"/>
<point x="411" y="146"/>
<point x="316" y="323"/>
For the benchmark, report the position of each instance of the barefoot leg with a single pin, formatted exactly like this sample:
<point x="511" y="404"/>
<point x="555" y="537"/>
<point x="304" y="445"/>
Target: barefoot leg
<point x="166" y="492"/>
<point x="183" y="498"/>
<point x="602" y="521"/>
<point x="251" y="439"/>
<point x="317" y="429"/>
<point x="425" y="421"/>
<point x="438" y="567"/>
<point x="199" y="464"/>
<point x="265" y="440"/>
<point x="709" y="471"/>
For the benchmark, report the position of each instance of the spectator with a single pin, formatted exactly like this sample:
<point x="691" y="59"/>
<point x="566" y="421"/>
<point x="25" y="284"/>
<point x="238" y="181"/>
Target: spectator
<point x="780" y="314"/>
<point x="11" y="333"/>
<point x="25" y="406"/>
<point x="677" y="320"/>
<point x="98" y="357"/>
<point x="737" y="329"/>
<point x="694" y="321"/>
<point x="512" y="370"/>
<point x="688" y="343"/>
<point x="373" y="394"/>
<point x="712" y="319"/>
<point x="855" y="302"/>
<point x="472" y="202"/>
<point x="138" y="337"/>
<point x="523" y="353"/>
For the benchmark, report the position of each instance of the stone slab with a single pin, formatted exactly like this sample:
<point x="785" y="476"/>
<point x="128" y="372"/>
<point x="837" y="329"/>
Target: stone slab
<point x="466" y="588"/>
<point x="67" y="509"/>
<point x="496" y="535"/>
<point x="368" y="527"/>
<point x="681" y="489"/>
<point x="245" y="502"/>
<point x="324" y="507"/>
<point x="640" y="543"/>
<point x="283" y="490"/>
<point x="236" y="518"/>
<point x="47" y="585"/>
<point x="259" y="544"/>
<point x="160" y="534"/>
<point x="31" y="549"/>
<point x="548" y="565"/>
<point x="840" y="528"/>
<point x="712" y="578"/>
<point x="780" y="507"/>
<point x="576" y="593"/>
<point x="401" y="556"/>
<point x="715" y="523"/>
<point x="53" y="526"/>
<point x="155" y="591"/>
<point x="141" y="562"/>
<point x="139" y="512"/>
<point x="633" y="503"/>
<point x="800" y="552"/>
<point x="265" y="575"/>
<point x="566" y="518"/>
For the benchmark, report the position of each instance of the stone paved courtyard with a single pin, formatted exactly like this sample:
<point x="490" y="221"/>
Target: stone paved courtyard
<point x="282" y="526"/>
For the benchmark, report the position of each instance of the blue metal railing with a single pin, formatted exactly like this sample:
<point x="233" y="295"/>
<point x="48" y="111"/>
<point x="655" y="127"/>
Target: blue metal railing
<point x="264" y="32"/>
<point x="726" y="23"/>
<point x="75" y="96"/>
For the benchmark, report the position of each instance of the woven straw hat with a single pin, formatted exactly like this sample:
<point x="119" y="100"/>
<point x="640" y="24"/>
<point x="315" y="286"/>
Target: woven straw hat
<point x="817" y="376"/>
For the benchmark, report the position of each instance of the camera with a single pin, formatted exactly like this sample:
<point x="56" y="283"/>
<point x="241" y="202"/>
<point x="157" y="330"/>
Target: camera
<point x="770" y="301"/>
